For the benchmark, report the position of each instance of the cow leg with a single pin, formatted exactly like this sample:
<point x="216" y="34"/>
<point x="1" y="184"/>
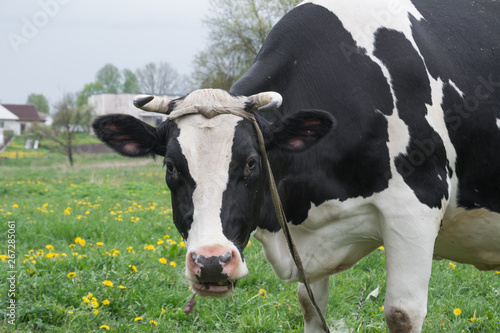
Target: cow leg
<point x="312" y="322"/>
<point x="408" y="248"/>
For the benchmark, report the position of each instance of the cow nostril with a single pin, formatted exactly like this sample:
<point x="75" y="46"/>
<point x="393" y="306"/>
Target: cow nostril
<point x="194" y="256"/>
<point x="225" y="257"/>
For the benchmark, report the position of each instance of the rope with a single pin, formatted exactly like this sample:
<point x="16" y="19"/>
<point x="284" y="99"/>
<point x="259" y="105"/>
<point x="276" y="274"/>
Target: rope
<point x="278" y="207"/>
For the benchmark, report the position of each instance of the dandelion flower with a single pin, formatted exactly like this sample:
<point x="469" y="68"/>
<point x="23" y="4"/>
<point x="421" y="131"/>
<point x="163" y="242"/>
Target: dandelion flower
<point x="99" y="243"/>
<point x="107" y="283"/>
<point x="105" y="302"/>
<point x="15" y="206"/>
<point x="159" y="242"/>
<point x="133" y="268"/>
<point x="71" y="275"/>
<point x="49" y="247"/>
<point x="381" y="308"/>
<point x="80" y="241"/>
<point x="95" y="311"/>
<point x="381" y="248"/>
<point x="122" y="287"/>
<point x="129" y="249"/>
<point x="457" y="312"/>
<point x="452" y="265"/>
<point x="137" y="318"/>
<point x="173" y="264"/>
<point x="262" y="293"/>
<point x="162" y="260"/>
<point x="152" y="322"/>
<point x="104" y="327"/>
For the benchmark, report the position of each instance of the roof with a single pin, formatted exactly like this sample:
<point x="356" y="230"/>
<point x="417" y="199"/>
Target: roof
<point x="6" y="114"/>
<point x="25" y="112"/>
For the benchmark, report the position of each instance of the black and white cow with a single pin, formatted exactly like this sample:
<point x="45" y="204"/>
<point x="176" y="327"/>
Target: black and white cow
<point x="388" y="133"/>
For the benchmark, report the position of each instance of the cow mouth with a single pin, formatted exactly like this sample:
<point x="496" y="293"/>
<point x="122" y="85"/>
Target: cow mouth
<point x="214" y="289"/>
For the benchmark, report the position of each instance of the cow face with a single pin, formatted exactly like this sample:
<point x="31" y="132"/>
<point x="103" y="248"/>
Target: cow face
<point x="214" y="172"/>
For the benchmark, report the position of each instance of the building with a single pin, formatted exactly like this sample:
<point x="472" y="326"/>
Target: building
<point x="25" y="114"/>
<point x="123" y="103"/>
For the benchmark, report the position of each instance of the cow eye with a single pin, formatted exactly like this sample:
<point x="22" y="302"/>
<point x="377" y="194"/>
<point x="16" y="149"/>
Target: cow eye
<point x="170" y="167"/>
<point x="252" y="161"/>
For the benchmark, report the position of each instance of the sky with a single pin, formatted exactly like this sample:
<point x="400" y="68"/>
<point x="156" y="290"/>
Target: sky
<point x="53" y="47"/>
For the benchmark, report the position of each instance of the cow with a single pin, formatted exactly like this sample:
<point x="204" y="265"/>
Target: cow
<point x="381" y="121"/>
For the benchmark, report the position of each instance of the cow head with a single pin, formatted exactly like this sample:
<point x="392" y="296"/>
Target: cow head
<point x="214" y="171"/>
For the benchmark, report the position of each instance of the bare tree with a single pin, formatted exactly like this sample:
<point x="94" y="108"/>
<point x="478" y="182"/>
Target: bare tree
<point x="160" y="79"/>
<point x="68" y="119"/>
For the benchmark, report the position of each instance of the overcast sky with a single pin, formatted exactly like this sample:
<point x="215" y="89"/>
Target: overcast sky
<point x="55" y="46"/>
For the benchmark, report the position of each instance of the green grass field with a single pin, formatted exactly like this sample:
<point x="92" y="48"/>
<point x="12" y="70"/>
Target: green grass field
<point x="109" y="220"/>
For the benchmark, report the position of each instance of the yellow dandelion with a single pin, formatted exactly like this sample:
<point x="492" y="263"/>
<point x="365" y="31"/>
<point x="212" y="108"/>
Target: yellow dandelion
<point x="71" y="275"/>
<point x="381" y="308"/>
<point x="159" y="242"/>
<point x="95" y="311"/>
<point x="183" y="244"/>
<point x="262" y="293"/>
<point x="137" y="318"/>
<point x="249" y="243"/>
<point x="129" y="249"/>
<point x="15" y="206"/>
<point x="49" y="247"/>
<point x="70" y="312"/>
<point x="104" y="327"/>
<point x="457" y="312"/>
<point x="107" y="283"/>
<point x="133" y="268"/>
<point x="173" y="264"/>
<point x="122" y="287"/>
<point x="71" y="245"/>
<point x="105" y="302"/>
<point x="452" y="265"/>
<point x="381" y="248"/>
<point x="80" y="241"/>
<point x="4" y="257"/>
<point x="152" y="322"/>
<point x="498" y="272"/>
<point x="162" y="260"/>
<point x="99" y="243"/>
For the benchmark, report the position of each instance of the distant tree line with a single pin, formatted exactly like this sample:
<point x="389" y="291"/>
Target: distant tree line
<point x="237" y="29"/>
<point x="153" y="78"/>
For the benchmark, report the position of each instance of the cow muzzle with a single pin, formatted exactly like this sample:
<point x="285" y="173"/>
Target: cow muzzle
<point x="213" y="271"/>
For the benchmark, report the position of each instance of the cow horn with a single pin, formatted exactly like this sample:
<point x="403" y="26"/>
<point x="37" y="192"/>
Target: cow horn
<point x="266" y="101"/>
<point x="159" y="104"/>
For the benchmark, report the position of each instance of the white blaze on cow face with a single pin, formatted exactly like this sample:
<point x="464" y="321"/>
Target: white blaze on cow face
<point x="207" y="146"/>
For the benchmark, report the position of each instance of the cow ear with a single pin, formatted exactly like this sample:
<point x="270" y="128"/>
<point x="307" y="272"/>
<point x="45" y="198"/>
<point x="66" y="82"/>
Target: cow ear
<point x="299" y="131"/>
<point x="129" y="136"/>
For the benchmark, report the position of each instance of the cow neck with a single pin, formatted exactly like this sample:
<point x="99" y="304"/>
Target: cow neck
<point x="210" y="112"/>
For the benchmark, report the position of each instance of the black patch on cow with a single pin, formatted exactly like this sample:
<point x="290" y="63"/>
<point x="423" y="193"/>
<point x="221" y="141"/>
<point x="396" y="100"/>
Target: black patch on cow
<point x="180" y="183"/>
<point x="307" y="58"/>
<point x="423" y="167"/>
<point x="244" y="192"/>
<point x="460" y="43"/>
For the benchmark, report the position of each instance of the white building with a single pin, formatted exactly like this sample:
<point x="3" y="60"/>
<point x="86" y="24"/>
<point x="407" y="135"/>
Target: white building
<point x="8" y="122"/>
<point x="123" y="103"/>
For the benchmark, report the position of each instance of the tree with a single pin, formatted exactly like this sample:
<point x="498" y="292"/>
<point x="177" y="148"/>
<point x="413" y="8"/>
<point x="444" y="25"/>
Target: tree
<point x="110" y="77"/>
<point x="130" y="82"/>
<point x="160" y="79"/>
<point x="68" y="119"/>
<point x="237" y="29"/>
<point x="88" y="90"/>
<point x="40" y="102"/>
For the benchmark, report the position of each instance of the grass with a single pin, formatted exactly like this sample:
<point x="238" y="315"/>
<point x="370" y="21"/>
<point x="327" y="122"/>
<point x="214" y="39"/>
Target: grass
<point x="108" y="215"/>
